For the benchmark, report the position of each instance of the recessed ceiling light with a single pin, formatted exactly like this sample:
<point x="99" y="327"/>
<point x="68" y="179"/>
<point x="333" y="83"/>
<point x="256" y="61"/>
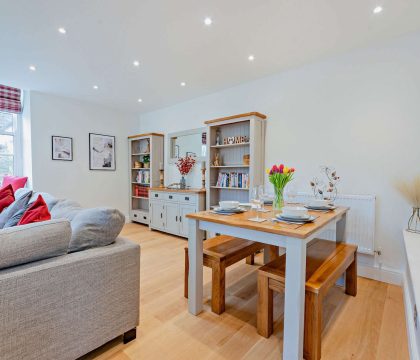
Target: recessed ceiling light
<point x="183" y="83"/>
<point x="61" y="30"/>
<point x="208" y="21"/>
<point x="32" y="68"/>
<point x="377" y="10"/>
<point x="251" y="57"/>
<point x="140" y="100"/>
<point x="95" y="87"/>
<point x="136" y="63"/>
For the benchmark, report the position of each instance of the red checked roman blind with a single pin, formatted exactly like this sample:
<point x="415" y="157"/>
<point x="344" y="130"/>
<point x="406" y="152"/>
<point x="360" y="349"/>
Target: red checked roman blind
<point x="10" y="99"/>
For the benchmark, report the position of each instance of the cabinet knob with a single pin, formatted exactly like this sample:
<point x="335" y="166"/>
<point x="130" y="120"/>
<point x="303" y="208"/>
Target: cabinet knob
<point x="156" y="195"/>
<point x="135" y="215"/>
<point x="170" y="196"/>
<point x="176" y="218"/>
<point x="187" y="198"/>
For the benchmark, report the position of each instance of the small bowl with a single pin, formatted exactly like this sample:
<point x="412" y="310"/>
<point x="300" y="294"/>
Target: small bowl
<point x="294" y="211"/>
<point x="319" y="203"/>
<point x="228" y="205"/>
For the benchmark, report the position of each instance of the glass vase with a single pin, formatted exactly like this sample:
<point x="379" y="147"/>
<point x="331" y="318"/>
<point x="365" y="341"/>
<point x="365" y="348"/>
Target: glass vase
<point x="278" y="201"/>
<point x="183" y="182"/>
<point x="414" y="221"/>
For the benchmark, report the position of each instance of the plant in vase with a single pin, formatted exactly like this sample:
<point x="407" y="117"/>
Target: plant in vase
<point x="146" y="161"/>
<point x="279" y="176"/>
<point x="184" y="166"/>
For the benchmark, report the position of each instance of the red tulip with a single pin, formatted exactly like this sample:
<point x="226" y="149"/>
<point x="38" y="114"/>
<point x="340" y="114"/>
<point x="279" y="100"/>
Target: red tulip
<point x="275" y="169"/>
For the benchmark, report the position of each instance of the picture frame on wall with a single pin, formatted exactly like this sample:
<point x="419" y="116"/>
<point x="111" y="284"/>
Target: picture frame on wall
<point x="102" y="152"/>
<point x="61" y="148"/>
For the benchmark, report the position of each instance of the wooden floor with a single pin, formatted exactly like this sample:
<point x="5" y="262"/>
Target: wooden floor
<point x="370" y="326"/>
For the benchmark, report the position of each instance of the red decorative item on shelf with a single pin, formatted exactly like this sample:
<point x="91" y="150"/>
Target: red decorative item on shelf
<point x="185" y="165"/>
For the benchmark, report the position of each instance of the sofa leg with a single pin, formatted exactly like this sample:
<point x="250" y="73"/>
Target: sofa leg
<point x="129" y="335"/>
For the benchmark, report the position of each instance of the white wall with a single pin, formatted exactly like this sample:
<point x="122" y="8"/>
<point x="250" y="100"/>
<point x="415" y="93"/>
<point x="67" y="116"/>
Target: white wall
<point x="359" y="112"/>
<point x="53" y="115"/>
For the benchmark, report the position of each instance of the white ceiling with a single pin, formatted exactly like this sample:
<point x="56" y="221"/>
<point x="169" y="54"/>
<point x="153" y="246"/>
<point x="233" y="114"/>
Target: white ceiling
<point x="172" y="43"/>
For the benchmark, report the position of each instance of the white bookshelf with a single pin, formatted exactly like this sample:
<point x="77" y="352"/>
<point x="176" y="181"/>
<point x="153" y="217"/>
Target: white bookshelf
<point x="250" y="126"/>
<point x="140" y="147"/>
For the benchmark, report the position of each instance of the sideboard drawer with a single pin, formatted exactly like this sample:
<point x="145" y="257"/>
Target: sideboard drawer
<point x="140" y="216"/>
<point x="188" y="198"/>
<point x="157" y="195"/>
<point x="171" y="197"/>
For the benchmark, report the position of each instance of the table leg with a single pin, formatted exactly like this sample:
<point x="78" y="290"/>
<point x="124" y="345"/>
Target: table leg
<point x="340" y="229"/>
<point x="294" y="307"/>
<point x="195" y="277"/>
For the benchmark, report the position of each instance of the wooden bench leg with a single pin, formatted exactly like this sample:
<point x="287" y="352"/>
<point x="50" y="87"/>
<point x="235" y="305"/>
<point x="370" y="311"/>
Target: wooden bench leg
<point x="264" y="307"/>
<point x="313" y="326"/>
<point x="351" y="278"/>
<point x="218" y="287"/>
<point x="271" y="253"/>
<point x="250" y="259"/>
<point x="186" y="272"/>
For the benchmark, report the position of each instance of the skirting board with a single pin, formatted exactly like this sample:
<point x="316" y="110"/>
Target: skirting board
<point x="411" y="331"/>
<point x="390" y="276"/>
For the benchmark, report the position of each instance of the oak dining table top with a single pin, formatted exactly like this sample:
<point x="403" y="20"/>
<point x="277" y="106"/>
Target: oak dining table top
<point x="300" y="231"/>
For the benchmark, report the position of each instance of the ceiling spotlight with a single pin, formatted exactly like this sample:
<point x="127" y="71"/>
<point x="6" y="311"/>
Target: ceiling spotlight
<point x="251" y="58"/>
<point x="208" y="21"/>
<point x="136" y="63"/>
<point x="95" y="87"/>
<point x="183" y="83"/>
<point x="32" y="68"/>
<point x="61" y="30"/>
<point x="377" y="10"/>
<point x="139" y="100"/>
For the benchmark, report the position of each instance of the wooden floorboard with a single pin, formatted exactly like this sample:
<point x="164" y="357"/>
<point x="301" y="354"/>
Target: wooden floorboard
<point x="370" y="326"/>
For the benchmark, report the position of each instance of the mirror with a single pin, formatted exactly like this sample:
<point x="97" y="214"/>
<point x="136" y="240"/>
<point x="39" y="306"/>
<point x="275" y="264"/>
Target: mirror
<point x="190" y="142"/>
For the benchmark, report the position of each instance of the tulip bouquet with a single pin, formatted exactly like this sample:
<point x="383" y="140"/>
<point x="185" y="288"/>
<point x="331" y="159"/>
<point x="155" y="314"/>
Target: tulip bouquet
<point x="279" y="176"/>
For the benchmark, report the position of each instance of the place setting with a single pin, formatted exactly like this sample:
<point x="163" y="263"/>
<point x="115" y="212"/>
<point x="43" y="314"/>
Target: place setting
<point x="228" y="208"/>
<point x="294" y="215"/>
<point x="320" y="205"/>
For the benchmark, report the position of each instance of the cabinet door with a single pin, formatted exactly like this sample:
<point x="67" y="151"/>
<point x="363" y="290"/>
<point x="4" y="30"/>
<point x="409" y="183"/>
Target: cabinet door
<point x="183" y="211"/>
<point x="172" y="218"/>
<point x="157" y="214"/>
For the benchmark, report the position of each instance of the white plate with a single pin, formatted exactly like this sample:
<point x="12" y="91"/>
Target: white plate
<point x="320" y="207"/>
<point x="299" y="217"/>
<point x="296" y="221"/>
<point x="229" y="211"/>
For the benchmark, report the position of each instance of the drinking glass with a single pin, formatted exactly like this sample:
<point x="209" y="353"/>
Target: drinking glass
<point x="256" y="200"/>
<point x="291" y="193"/>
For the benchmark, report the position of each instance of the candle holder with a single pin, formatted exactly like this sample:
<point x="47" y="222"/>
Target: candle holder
<point x="161" y="171"/>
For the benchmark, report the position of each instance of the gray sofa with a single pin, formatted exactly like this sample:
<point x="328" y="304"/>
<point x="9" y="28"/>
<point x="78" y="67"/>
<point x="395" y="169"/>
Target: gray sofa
<point x="64" y="305"/>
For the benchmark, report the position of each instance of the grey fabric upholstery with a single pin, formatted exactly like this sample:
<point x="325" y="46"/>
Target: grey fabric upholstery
<point x="65" y="209"/>
<point x="32" y="242"/>
<point x="20" y="203"/>
<point x="95" y="227"/>
<point x="64" y="307"/>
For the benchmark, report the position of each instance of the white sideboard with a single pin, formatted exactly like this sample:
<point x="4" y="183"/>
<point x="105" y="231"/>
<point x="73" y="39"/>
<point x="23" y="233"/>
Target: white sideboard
<point x="168" y="209"/>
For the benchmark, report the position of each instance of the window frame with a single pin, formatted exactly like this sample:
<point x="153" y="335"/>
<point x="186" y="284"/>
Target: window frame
<point x="17" y="143"/>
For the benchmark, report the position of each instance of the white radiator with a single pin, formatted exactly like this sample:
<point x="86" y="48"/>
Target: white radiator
<point x="360" y="223"/>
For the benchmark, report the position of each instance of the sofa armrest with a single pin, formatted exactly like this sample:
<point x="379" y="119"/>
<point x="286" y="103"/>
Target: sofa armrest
<point x="33" y="242"/>
<point x="66" y="306"/>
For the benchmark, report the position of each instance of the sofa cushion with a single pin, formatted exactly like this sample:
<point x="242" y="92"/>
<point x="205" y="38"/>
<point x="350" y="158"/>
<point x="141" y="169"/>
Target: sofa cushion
<point x="50" y="200"/>
<point x="95" y="227"/>
<point x="37" y="212"/>
<point x="16" y="181"/>
<point x="65" y="209"/>
<point x="7" y="197"/>
<point x="21" y="200"/>
<point x="27" y="243"/>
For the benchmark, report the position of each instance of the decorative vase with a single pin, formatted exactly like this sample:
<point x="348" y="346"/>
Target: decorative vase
<point x="278" y="201"/>
<point x="414" y="221"/>
<point x="183" y="182"/>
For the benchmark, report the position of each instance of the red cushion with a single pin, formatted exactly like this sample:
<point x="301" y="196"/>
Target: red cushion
<point x="37" y="212"/>
<point x="16" y="181"/>
<point x="7" y="196"/>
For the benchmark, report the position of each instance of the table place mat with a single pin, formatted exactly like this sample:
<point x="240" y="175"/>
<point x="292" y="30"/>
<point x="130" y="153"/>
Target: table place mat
<point x="258" y="220"/>
<point x="264" y="211"/>
<point x="224" y="214"/>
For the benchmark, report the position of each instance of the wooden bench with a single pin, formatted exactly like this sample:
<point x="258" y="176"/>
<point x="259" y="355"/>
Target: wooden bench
<point x="220" y="252"/>
<point x="326" y="261"/>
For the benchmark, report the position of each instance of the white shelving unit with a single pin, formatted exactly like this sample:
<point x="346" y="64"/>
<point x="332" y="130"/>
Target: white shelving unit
<point x="141" y="179"/>
<point x="250" y="126"/>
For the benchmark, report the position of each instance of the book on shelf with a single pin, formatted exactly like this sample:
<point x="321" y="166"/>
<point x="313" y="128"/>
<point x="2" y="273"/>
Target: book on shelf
<point x="141" y="191"/>
<point x="233" y="180"/>
<point x="143" y="177"/>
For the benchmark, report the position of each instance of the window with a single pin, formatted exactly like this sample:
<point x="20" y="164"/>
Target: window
<point x="8" y="143"/>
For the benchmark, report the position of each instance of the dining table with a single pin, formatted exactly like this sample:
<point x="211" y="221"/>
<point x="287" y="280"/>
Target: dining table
<point x="290" y="236"/>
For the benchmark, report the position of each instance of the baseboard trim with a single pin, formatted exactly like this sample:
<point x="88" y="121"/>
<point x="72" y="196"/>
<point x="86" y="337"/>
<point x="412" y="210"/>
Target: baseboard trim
<point x="390" y="276"/>
<point x="411" y="330"/>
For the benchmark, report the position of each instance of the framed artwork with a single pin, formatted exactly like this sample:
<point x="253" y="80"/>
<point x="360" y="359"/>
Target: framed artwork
<point x="62" y="148"/>
<point x="101" y="152"/>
